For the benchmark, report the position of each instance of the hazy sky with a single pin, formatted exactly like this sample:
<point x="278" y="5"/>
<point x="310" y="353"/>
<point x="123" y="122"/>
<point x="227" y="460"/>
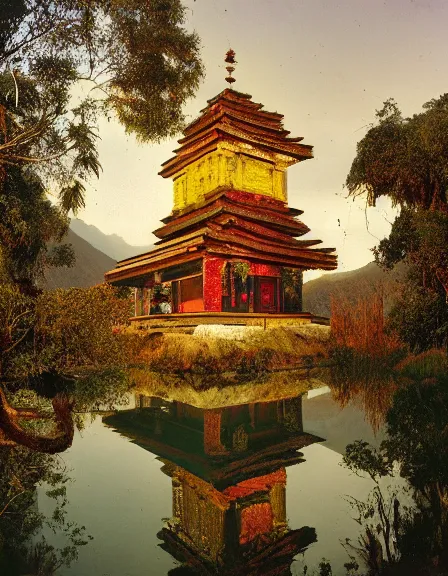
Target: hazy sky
<point x="327" y="66"/>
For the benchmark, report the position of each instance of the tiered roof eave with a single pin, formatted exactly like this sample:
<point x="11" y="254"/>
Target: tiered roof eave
<point x="256" y="207"/>
<point x="227" y="227"/>
<point x="232" y="116"/>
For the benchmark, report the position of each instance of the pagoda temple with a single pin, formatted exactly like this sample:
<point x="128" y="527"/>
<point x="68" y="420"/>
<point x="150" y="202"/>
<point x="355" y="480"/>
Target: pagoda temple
<point x="231" y="245"/>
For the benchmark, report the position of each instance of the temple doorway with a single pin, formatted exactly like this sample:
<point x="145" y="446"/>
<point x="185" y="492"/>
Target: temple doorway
<point x="161" y="299"/>
<point x="266" y="295"/>
<point x="189" y="294"/>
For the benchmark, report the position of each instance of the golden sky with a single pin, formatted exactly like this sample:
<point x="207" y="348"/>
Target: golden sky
<point x="327" y="65"/>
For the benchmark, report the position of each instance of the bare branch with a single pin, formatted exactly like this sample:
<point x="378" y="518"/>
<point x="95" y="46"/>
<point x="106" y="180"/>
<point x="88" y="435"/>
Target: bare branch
<point x="12" y="499"/>
<point x="17" y="88"/>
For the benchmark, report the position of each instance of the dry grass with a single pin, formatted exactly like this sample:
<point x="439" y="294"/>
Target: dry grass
<point x="364" y="353"/>
<point x="358" y="324"/>
<point x="261" y="351"/>
<point x="370" y="364"/>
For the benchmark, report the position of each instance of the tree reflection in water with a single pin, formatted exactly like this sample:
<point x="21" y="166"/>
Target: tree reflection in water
<point x="30" y="437"/>
<point x="408" y="541"/>
<point x="21" y="470"/>
<point x="410" y="397"/>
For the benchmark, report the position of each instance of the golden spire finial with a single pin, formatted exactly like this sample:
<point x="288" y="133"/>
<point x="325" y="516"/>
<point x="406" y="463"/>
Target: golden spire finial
<point x="230" y="59"/>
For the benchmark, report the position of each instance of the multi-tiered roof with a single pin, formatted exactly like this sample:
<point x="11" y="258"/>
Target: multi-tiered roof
<point x="221" y="212"/>
<point x="232" y="116"/>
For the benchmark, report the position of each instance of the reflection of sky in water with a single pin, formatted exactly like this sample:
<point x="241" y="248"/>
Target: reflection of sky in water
<point x="315" y="492"/>
<point x="120" y="494"/>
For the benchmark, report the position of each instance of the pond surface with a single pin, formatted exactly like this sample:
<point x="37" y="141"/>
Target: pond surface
<point x="168" y="488"/>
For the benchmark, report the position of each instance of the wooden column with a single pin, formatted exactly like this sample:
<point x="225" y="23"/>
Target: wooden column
<point x="139" y="301"/>
<point x="299" y="291"/>
<point x="278" y="504"/>
<point x="251" y="282"/>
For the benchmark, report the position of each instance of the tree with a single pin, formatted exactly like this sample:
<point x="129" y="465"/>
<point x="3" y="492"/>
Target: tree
<point x="63" y="65"/>
<point x="64" y="332"/>
<point x="406" y="159"/>
<point x="12" y="432"/>
<point x="420" y="237"/>
<point x="417" y="440"/>
<point x="420" y="314"/>
<point x="16" y="321"/>
<point x="80" y="328"/>
<point x="134" y="59"/>
<point x="21" y="552"/>
<point x="30" y="225"/>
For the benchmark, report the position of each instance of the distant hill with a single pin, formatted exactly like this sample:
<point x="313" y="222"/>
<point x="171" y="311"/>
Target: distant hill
<point x="95" y="253"/>
<point x="89" y="269"/>
<point x="111" y="244"/>
<point x="317" y="293"/>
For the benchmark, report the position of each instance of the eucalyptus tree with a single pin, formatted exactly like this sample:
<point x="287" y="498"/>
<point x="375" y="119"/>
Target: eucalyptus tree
<point x="131" y="59"/>
<point x="64" y="64"/>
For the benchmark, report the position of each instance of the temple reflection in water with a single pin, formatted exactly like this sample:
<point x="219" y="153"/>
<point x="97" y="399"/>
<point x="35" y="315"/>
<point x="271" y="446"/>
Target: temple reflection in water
<point x="228" y="471"/>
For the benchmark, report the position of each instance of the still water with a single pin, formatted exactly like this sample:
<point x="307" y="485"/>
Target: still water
<point x="170" y="488"/>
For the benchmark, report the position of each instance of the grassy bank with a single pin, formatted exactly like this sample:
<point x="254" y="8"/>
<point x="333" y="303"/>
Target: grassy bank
<point x="259" y="353"/>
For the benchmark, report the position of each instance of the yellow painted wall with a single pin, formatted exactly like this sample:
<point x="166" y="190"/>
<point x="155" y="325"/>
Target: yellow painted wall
<point x="230" y="166"/>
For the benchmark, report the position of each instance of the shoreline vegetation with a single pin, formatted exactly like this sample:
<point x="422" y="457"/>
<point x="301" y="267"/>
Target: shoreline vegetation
<point x="371" y="363"/>
<point x="71" y="335"/>
<point x="260" y="351"/>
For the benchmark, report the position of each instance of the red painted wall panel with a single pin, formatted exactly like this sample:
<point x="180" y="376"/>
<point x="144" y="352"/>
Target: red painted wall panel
<point x="256" y="520"/>
<point x="212" y="283"/>
<point x="257" y="269"/>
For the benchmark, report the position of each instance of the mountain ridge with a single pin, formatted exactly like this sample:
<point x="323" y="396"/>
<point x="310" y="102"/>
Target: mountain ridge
<point x="317" y="293"/>
<point x="88" y="270"/>
<point x="112" y="245"/>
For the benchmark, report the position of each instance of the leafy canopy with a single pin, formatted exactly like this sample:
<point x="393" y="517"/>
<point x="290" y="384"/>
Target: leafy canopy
<point x="127" y="58"/>
<point x="405" y="159"/>
<point x="420" y="314"/>
<point x="29" y="226"/>
<point x="63" y="331"/>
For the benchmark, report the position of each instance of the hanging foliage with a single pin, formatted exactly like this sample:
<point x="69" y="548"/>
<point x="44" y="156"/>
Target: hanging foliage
<point x="291" y="280"/>
<point x="241" y="270"/>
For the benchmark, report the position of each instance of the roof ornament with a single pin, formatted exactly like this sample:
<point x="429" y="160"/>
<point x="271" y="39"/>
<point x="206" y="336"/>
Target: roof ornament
<point x="230" y="59"/>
